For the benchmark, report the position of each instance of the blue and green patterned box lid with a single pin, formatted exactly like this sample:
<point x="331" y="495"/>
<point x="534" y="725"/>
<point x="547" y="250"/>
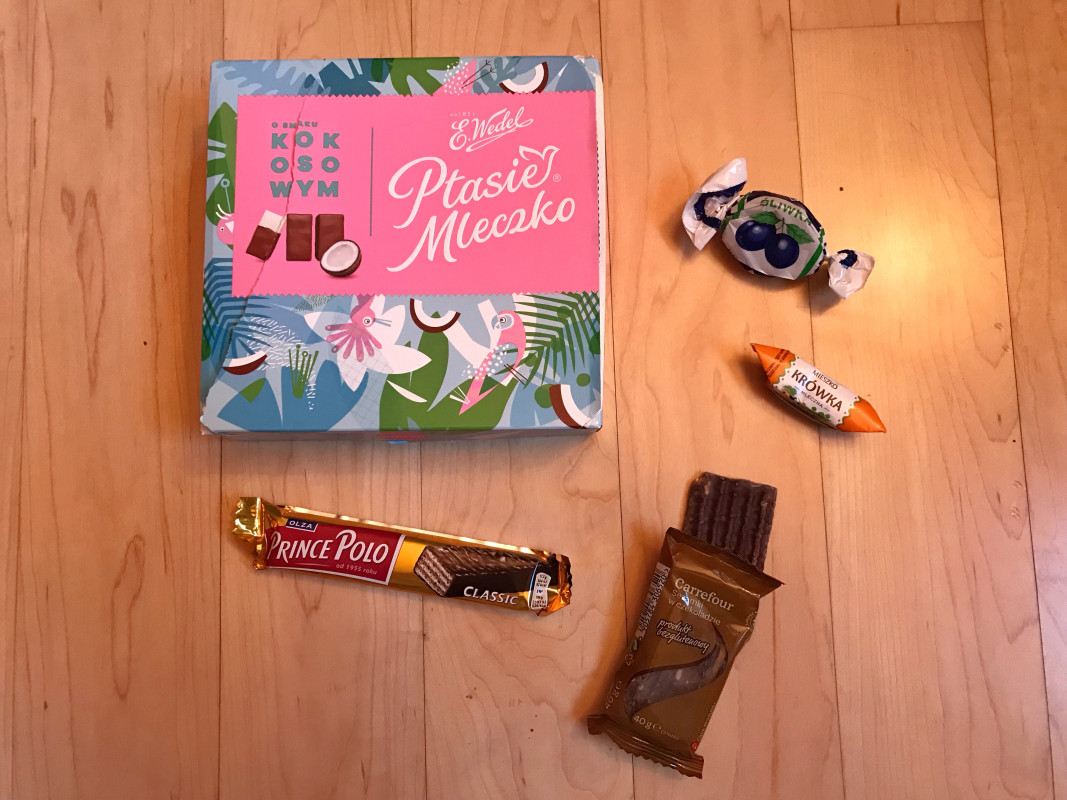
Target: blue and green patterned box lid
<point x="469" y="195"/>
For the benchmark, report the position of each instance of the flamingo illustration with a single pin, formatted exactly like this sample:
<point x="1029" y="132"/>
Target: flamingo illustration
<point x="508" y="332"/>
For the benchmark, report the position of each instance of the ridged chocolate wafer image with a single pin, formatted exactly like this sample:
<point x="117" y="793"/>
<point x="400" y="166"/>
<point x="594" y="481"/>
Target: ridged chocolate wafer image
<point x="663" y="683"/>
<point x="329" y="230"/>
<point x="297" y="237"/>
<point x="735" y="515"/>
<point x="449" y="569"/>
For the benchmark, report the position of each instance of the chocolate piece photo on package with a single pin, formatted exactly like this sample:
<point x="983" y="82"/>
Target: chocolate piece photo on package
<point x="457" y="571"/>
<point x="661" y="683"/>
<point x="297" y="237"/>
<point x="733" y="514"/>
<point x="329" y="230"/>
<point x="266" y="235"/>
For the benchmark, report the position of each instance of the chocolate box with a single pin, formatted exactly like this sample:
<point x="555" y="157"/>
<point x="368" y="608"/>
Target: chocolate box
<point x="404" y="247"/>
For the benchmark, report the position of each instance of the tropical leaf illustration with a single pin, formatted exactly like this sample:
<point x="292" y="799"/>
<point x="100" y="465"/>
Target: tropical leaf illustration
<point x="222" y="160"/>
<point x="399" y="411"/>
<point x="565" y="74"/>
<point x="356" y="78"/>
<point x="301" y="364"/>
<point x="288" y="76"/>
<point x="421" y="70"/>
<point x="560" y="330"/>
<point x="221" y="310"/>
<point x="311" y="302"/>
<point x="232" y="325"/>
<point x="257" y="408"/>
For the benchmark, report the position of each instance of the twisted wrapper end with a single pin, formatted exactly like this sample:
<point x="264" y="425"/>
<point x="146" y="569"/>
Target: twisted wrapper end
<point x="252" y="518"/>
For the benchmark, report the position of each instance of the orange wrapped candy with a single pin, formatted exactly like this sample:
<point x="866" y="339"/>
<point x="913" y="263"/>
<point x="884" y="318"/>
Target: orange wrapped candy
<point x="815" y="394"/>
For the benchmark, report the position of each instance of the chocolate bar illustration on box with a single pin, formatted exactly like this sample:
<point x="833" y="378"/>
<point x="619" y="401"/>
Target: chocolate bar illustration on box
<point x="329" y="230"/>
<point x="265" y="237"/>
<point x="455" y="571"/>
<point x="297" y="237"/>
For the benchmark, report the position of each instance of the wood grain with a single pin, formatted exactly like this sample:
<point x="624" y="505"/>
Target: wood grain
<point x="856" y="13"/>
<point x="322" y="680"/>
<point x="507" y="694"/>
<point x="903" y="656"/>
<point x="117" y="624"/>
<point x="505" y="27"/>
<point x="506" y="698"/>
<point x="322" y="685"/>
<point x="1027" y="65"/>
<point x="16" y="57"/>
<point x="935" y="615"/>
<point x="691" y="395"/>
<point x="277" y="29"/>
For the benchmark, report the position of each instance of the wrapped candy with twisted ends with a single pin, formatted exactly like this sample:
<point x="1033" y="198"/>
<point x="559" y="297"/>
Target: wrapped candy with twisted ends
<point x="769" y="233"/>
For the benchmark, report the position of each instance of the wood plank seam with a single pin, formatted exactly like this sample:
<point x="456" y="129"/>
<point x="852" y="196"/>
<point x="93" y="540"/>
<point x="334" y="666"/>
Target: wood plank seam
<point x="848" y="14"/>
<point x="1019" y="403"/>
<point x="884" y="26"/>
<point x="927" y="149"/>
<point x="16" y="458"/>
<point x="608" y="289"/>
<point x="822" y="473"/>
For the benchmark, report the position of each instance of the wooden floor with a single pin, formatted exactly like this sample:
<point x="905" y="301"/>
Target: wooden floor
<point x="919" y="646"/>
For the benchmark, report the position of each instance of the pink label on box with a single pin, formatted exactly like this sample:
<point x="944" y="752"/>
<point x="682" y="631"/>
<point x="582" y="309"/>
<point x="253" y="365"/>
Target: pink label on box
<point x="445" y="194"/>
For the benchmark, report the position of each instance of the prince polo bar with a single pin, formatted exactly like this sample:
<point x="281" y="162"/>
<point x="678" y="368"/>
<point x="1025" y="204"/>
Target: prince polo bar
<point x="735" y="515"/>
<point x="285" y="537"/>
<point x="699" y="612"/>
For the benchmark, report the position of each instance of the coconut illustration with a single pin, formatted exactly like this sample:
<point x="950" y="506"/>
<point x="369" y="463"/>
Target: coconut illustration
<point x="565" y="407"/>
<point x="535" y="83"/>
<point x="428" y="323"/>
<point x="245" y="364"/>
<point x="341" y="259"/>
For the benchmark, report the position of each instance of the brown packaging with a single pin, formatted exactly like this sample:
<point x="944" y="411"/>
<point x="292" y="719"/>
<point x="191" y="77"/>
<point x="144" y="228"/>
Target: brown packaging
<point x="699" y="612"/>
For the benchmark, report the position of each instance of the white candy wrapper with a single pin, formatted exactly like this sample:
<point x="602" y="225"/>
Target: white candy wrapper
<point x="707" y="207"/>
<point x="849" y="271"/>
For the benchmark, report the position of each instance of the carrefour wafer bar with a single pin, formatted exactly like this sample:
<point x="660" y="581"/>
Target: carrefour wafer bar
<point x="286" y="537"/>
<point x="816" y="394"/>
<point x="733" y="514"/>
<point x="699" y="612"/>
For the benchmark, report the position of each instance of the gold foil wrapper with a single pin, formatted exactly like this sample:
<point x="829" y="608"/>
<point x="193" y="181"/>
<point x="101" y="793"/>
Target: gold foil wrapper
<point x="517" y="578"/>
